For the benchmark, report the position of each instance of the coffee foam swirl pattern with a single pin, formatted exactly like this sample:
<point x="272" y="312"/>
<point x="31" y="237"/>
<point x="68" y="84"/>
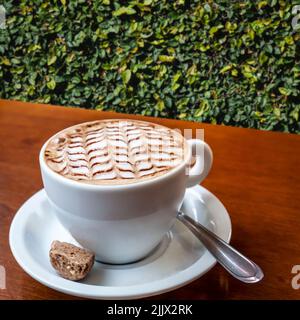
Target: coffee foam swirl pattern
<point x="114" y="151"/>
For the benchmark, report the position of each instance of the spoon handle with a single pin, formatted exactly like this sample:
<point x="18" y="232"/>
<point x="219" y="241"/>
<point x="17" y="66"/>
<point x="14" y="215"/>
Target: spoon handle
<point x="234" y="262"/>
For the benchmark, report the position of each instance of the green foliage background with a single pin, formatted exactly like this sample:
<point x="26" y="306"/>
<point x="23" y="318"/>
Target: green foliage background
<point x="227" y="62"/>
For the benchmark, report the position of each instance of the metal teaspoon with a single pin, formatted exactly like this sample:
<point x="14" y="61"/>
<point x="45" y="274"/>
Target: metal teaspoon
<point x="234" y="262"/>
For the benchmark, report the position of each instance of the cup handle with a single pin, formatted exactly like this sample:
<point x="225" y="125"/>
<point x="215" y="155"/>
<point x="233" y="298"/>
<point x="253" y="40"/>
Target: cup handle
<point x="198" y="172"/>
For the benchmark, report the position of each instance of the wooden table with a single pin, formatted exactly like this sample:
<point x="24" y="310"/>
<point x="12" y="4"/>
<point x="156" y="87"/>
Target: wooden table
<point x="255" y="174"/>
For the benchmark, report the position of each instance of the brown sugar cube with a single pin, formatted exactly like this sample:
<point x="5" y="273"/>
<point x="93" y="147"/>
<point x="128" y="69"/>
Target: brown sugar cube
<point x="70" y="261"/>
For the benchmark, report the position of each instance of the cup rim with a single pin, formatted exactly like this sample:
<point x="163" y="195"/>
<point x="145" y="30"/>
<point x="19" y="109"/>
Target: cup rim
<point x="87" y="186"/>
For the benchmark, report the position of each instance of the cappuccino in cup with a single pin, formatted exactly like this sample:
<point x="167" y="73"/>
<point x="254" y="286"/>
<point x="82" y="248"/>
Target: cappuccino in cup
<point x="115" y="151"/>
<point x="116" y="185"/>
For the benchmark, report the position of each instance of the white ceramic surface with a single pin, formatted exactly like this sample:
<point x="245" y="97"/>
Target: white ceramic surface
<point x="123" y="223"/>
<point x="177" y="260"/>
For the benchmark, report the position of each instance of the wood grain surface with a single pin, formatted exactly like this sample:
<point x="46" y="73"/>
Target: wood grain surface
<point x="255" y="174"/>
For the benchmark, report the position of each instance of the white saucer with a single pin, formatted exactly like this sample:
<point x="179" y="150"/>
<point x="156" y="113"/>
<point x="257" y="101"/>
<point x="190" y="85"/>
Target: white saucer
<point x="178" y="260"/>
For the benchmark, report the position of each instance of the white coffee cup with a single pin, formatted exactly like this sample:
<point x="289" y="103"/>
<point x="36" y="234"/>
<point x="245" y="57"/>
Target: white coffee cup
<point x="124" y="223"/>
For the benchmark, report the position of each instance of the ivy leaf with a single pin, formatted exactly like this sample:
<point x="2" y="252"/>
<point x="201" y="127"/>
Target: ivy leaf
<point x="126" y="75"/>
<point x="160" y="106"/>
<point x="33" y="48"/>
<point x="133" y="27"/>
<point x="123" y="10"/>
<point x="284" y="91"/>
<point x="234" y="73"/>
<point x="51" y="60"/>
<point x="51" y="84"/>
<point x="79" y="38"/>
<point x="226" y="68"/>
<point x="262" y="4"/>
<point x="176" y="77"/>
<point x="70" y="57"/>
<point x="277" y="112"/>
<point x="5" y="61"/>
<point x="18" y="70"/>
<point x="215" y="29"/>
<point x="165" y="58"/>
<point x="295" y="114"/>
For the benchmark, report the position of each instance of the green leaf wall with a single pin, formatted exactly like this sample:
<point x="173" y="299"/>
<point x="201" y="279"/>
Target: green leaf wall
<point x="225" y="62"/>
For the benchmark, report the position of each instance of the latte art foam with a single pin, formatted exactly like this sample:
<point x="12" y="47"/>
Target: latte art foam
<point x="115" y="151"/>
